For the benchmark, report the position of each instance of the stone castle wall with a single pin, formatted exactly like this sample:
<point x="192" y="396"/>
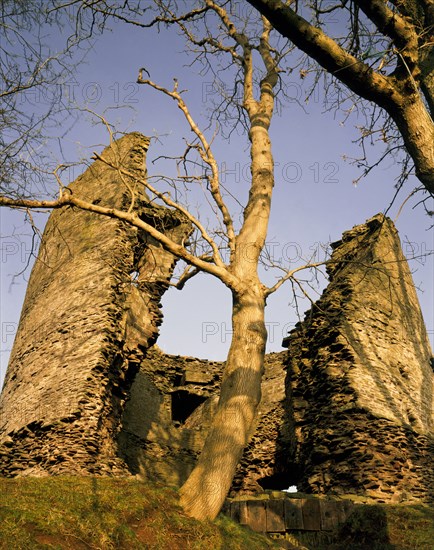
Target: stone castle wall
<point x="360" y="377"/>
<point x="356" y="415"/>
<point x="90" y="312"/>
<point x="348" y="409"/>
<point x="167" y="418"/>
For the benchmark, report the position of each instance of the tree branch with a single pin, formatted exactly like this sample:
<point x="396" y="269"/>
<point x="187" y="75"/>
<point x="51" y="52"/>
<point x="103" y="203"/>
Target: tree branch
<point x="290" y="275"/>
<point x="68" y="199"/>
<point x="398" y="29"/>
<point x="270" y="79"/>
<point x="169" y="202"/>
<point x="358" y="76"/>
<point x="117" y="13"/>
<point x="205" y="153"/>
<point x="188" y="274"/>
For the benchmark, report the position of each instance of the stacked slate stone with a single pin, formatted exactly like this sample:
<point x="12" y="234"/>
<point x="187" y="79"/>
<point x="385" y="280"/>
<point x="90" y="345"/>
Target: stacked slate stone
<point x="159" y="438"/>
<point x="360" y="381"/>
<point x="91" y="310"/>
<point x="167" y="418"/>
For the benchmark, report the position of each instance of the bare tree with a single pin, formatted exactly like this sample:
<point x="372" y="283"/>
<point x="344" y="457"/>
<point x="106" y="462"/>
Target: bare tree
<point x="205" y="490"/>
<point x="383" y="51"/>
<point x="212" y="29"/>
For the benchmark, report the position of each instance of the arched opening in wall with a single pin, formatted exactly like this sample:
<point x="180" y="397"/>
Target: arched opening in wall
<point x="184" y="404"/>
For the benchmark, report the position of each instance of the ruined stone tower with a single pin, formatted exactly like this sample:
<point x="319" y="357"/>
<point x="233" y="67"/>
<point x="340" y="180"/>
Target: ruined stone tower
<point x="360" y="376"/>
<point x="90" y="312"/>
<point x="86" y="392"/>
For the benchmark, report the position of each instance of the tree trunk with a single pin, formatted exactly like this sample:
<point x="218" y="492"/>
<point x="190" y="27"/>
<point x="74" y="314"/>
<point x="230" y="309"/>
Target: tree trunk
<point x="204" y="492"/>
<point x="417" y="130"/>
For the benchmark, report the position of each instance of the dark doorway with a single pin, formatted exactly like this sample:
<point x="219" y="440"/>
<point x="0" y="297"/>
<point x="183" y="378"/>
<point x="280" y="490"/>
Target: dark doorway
<point x="183" y="404"/>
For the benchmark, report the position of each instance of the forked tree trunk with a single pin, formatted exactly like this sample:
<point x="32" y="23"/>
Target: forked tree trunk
<point x="204" y="492"/>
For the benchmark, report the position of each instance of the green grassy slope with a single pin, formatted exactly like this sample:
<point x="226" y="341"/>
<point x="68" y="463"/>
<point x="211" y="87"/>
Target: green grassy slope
<point x="106" y="513"/>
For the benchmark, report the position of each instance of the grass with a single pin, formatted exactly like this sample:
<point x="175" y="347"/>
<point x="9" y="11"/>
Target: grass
<point x="386" y="527"/>
<point x="375" y="527"/>
<point x="105" y="513"/>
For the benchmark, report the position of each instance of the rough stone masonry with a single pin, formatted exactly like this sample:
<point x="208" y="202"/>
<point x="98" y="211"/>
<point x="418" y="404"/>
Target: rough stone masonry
<point x="91" y="310"/>
<point x="359" y="388"/>
<point x="353" y="414"/>
<point x="167" y="418"/>
<point x="348" y="409"/>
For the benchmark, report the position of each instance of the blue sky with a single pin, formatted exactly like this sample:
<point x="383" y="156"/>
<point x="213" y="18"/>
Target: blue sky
<point x="314" y="200"/>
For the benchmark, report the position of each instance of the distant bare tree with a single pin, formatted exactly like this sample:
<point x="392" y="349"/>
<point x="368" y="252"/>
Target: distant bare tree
<point x="32" y="88"/>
